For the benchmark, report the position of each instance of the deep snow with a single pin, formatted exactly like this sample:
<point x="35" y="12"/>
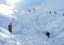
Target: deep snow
<point x="29" y="27"/>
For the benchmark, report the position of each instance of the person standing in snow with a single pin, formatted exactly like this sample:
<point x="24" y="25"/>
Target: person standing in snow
<point x="50" y="12"/>
<point x="63" y="14"/>
<point x="47" y="34"/>
<point x="34" y="10"/>
<point x="29" y="10"/>
<point x="55" y="12"/>
<point x="10" y="27"/>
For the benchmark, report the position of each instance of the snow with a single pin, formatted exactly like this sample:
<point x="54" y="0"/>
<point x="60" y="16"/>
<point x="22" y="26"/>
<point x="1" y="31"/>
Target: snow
<point x="29" y="28"/>
<point x="6" y="38"/>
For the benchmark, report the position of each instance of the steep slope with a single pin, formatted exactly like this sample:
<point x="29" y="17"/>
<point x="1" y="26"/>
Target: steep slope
<point x="7" y="38"/>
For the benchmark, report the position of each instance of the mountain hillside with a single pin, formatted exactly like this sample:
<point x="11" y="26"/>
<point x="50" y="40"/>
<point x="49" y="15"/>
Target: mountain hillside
<point x="31" y="21"/>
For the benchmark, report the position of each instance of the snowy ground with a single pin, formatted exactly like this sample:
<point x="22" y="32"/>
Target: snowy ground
<point x="31" y="21"/>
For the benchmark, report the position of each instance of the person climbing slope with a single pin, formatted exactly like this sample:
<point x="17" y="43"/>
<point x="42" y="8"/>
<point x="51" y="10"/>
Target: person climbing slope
<point x="10" y="27"/>
<point x="47" y="34"/>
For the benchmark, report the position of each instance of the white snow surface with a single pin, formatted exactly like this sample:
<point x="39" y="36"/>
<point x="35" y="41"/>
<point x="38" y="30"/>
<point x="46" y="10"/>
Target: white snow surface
<point x="29" y="28"/>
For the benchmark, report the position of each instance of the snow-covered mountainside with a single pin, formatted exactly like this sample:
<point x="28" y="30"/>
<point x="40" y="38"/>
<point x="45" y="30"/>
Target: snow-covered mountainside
<point x="6" y="38"/>
<point x="31" y="21"/>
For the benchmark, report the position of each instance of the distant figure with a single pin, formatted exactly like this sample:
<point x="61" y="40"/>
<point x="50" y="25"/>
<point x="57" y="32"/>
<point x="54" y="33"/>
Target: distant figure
<point x="48" y="34"/>
<point x="47" y="12"/>
<point x="55" y="12"/>
<point x="12" y="18"/>
<point x="10" y="27"/>
<point x="34" y="10"/>
<point x="50" y="12"/>
<point x="63" y="14"/>
<point x="29" y="10"/>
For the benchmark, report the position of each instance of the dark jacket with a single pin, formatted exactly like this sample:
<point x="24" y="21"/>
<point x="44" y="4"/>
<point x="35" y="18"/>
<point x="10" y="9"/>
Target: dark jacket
<point x="48" y="34"/>
<point x="10" y="28"/>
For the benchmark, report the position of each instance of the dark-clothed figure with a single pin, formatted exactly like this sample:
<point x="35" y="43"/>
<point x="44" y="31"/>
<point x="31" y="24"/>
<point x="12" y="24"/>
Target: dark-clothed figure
<point x="55" y="12"/>
<point x="63" y="14"/>
<point x="34" y="10"/>
<point x="48" y="34"/>
<point x="50" y="12"/>
<point x="29" y="10"/>
<point x="10" y="27"/>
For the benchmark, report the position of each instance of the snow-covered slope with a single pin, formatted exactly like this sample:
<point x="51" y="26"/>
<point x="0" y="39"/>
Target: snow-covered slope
<point x="30" y="26"/>
<point x="6" y="38"/>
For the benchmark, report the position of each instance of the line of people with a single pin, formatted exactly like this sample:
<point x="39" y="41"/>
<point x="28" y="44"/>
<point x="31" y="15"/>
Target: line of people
<point x="51" y="12"/>
<point x="47" y="12"/>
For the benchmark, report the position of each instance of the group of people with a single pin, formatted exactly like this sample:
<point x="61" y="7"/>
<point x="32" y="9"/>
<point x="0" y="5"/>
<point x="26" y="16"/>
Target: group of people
<point x="53" y="12"/>
<point x="47" y="12"/>
<point x="33" y="10"/>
